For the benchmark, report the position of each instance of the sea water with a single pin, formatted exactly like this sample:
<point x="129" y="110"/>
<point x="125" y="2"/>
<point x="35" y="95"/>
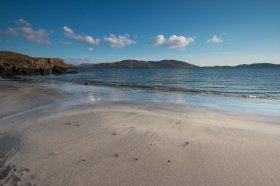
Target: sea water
<point x="254" y="90"/>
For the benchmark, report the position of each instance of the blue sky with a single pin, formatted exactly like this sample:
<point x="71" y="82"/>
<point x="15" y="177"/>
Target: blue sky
<point x="198" y="31"/>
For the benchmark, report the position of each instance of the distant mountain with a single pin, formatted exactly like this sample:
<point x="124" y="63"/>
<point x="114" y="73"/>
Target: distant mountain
<point x="141" y="64"/>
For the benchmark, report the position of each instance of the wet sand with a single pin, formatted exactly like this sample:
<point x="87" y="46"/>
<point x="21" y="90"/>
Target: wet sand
<point x="123" y="143"/>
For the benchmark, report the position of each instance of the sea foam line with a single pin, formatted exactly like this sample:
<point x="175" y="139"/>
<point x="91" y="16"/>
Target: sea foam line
<point x="24" y="112"/>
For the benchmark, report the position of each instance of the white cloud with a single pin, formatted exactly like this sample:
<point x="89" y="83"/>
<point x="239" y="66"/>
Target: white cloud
<point x="178" y="41"/>
<point x="27" y="32"/>
<point x="215" y="39"/>
<point x="22" y="22"/>
<point x="173" y="41"/>
<point x="120" y="41"/>
<point x="158" y="40"/>
<point x="80" y="38"/>
<point x="90" y="49"/>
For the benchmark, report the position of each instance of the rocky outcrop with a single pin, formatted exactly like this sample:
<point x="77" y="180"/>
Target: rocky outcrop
<point x="17" y="64"/>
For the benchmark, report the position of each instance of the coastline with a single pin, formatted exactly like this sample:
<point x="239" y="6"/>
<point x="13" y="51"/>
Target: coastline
<point x="128" y="143"/>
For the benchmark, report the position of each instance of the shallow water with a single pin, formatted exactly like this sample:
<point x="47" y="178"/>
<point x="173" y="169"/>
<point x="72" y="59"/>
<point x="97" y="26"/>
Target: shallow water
<point x="90" y="94"/>
<point x="250" y="83"/>
<point x="250" y="90"/>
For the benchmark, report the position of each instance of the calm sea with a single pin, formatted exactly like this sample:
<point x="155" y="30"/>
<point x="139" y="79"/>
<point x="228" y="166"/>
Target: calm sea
<point x="250" y="90"/>
<point x="247" y="83"/>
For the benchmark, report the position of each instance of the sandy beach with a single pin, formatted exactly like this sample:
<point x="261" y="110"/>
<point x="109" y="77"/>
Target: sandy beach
<point x="124" y="143"/>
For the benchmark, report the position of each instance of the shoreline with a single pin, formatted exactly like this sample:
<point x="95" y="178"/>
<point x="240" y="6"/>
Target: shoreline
<point x="125" y="143"/>
<point x="85" y="93"/>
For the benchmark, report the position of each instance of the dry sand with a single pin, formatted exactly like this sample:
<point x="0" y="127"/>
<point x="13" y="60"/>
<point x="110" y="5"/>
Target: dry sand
<point x="132" y="144"/>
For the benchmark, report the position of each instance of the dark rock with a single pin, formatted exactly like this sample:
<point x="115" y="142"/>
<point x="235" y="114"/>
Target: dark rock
<point x="73" y="72"/>
<point x="59" y="70"/>
<point x="44" y="71"/>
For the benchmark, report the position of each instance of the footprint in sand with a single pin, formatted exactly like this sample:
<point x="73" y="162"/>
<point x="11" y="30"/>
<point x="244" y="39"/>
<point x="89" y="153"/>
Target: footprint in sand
<point x="80" y="161"/>
<point x="186" y="143"/>
<point x="178" y="122"/>
<point x="29" y="184"/>
<point x="116" y="155"/>
<point x="23" y="171"/>
<point x="123" y="131"/>
<point x="149" y="147"/>
<point x="51" y="153"/>
<point x="76" y="124"/>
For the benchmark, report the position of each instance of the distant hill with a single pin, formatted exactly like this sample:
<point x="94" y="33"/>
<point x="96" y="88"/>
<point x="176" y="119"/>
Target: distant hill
<point x="247" y="66"/>
<point x="141" y="64"/>
<point x="12" y="55"/>
<point x="18" y="59"/>
<point x="259" y="65"/>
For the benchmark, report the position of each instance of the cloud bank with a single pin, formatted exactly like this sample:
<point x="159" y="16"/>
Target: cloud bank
<point x="173" y="41"/>
<point x="215" y="39"/>
<point x="80" y="38"/>
<point x="120" y="41"/>
<point x="26" y="31"/>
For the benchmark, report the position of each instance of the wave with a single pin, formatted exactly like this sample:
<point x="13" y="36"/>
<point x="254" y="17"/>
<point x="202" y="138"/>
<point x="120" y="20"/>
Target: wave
<point x="160" y="88"/>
